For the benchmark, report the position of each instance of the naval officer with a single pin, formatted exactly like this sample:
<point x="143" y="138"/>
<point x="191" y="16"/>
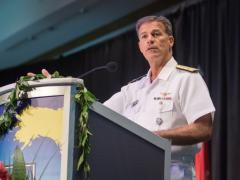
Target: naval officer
<point x="172" y="100"/>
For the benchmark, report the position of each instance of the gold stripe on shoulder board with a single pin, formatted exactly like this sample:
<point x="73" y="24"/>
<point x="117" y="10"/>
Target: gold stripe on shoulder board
<point x="186" y="68"/>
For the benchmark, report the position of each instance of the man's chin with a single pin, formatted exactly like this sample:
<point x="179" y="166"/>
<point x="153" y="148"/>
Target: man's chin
<point x="154" y="56"/>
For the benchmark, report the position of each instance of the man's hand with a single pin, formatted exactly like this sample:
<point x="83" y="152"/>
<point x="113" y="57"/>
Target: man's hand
<point x="44" y="72"/>
<point x="199" y="131"/>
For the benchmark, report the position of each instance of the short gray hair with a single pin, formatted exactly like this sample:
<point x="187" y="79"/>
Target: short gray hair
<point x="167" y="24"/>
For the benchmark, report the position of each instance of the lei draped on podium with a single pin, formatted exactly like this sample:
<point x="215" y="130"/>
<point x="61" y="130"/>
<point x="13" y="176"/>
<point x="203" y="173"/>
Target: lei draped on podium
<point x="17" y="102"/>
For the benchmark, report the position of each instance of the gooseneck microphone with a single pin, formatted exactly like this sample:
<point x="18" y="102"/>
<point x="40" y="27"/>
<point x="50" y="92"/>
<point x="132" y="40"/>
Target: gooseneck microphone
<point x="110" y="67"/>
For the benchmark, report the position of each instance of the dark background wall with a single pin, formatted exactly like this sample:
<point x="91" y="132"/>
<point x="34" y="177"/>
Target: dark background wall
<point x="207" y="36"/>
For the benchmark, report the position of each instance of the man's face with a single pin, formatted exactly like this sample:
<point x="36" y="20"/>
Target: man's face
<point x="154" y="43"/>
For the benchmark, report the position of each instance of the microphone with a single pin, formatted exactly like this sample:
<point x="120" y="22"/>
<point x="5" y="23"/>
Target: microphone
<point x="110" y="67"/>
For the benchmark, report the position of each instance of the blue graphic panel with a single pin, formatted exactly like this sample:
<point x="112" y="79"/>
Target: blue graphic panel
<point x="42" y="155"/>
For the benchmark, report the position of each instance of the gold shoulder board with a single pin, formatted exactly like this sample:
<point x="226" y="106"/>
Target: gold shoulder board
<point x="186" y="68"/>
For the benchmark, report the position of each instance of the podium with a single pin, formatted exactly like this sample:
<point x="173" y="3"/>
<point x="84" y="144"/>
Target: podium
<point x="47" y="135"/>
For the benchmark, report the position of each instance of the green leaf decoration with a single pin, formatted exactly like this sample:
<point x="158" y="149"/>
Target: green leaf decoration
<point x="85" y="99"/>
<point x="17" y="102"/>
<point x="19" y="169"/>
<point x="56" y="75"/>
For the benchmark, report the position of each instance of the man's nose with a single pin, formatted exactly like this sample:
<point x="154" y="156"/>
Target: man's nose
<point x="150" y="39"/>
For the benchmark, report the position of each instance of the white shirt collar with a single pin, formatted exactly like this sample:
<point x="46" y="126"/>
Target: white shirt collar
<point x="166" y="70"/>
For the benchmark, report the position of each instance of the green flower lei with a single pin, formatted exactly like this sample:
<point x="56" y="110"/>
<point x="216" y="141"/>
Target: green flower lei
<point x="84" y="98"/>
<point x="17" y="102"/>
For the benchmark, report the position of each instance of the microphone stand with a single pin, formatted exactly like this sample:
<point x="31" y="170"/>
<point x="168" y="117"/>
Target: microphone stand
<point x="111" y="67"/>
<point x="92" y="70"/>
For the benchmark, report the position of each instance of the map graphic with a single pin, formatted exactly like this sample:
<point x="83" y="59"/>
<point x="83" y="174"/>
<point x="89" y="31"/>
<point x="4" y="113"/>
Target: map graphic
<point x="39" y="136"/>
<point x="33" y="127"/>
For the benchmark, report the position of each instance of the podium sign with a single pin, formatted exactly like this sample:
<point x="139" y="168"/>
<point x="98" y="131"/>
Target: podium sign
<point x="47" y="135"/>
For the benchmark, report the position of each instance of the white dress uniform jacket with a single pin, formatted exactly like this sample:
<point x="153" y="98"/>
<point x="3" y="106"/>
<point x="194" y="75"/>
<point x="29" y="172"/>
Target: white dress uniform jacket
<point x="175" y="98"/>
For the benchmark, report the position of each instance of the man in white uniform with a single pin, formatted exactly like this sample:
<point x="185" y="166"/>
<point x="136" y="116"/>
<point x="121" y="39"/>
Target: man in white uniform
<point x="172" y="100"/>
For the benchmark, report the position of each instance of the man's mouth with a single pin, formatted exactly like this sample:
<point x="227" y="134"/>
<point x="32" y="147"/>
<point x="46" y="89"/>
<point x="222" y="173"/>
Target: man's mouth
<point x="152" y="48"/>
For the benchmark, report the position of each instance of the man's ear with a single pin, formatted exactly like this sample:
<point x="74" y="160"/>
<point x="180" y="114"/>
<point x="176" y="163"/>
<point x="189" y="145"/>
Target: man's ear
<point x="171" y="41"/>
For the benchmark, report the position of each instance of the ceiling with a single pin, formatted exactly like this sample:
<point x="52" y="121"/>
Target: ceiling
<point x="39" y="29"/>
